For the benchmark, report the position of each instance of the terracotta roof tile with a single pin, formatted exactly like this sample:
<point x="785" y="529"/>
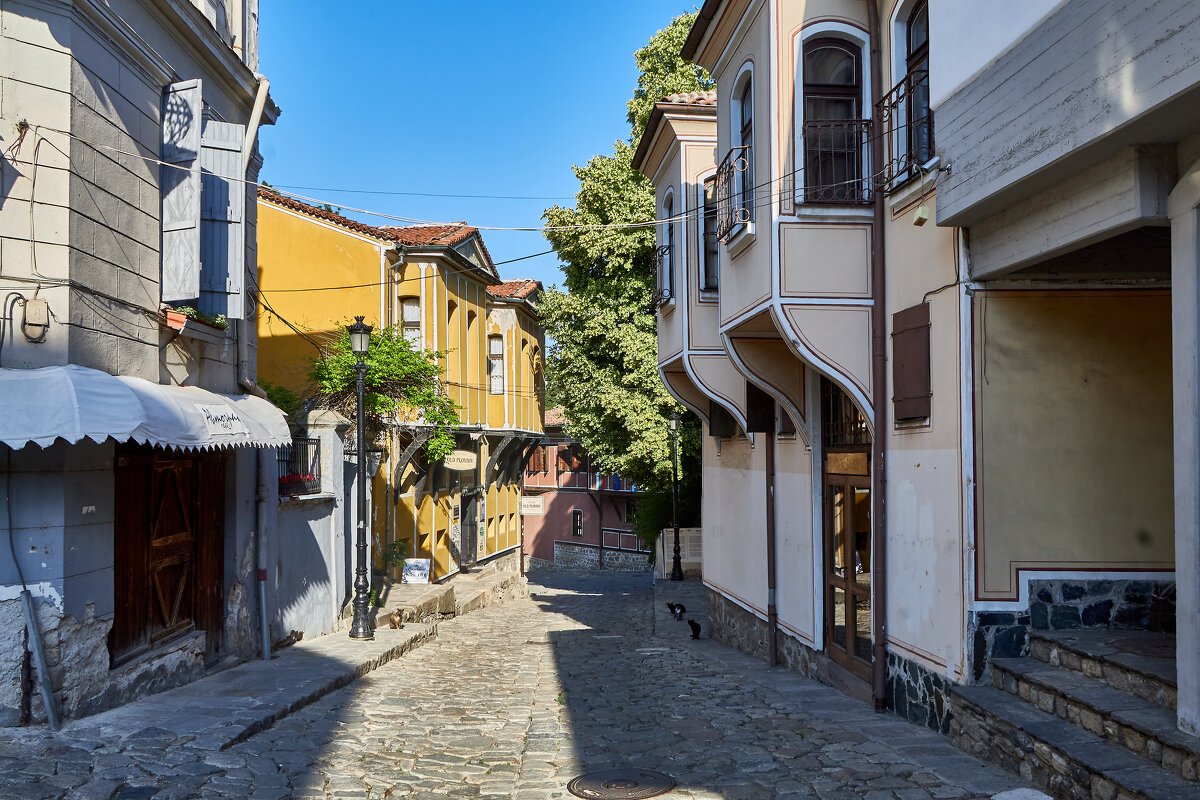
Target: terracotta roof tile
<point x="522" y="289"/>
<point x="692" y="99"/>
<point x="321" y="213"/>
<point x="556" y="416"/>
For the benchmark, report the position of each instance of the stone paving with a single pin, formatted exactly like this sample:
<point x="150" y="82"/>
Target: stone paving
<point x="515" y="700"/>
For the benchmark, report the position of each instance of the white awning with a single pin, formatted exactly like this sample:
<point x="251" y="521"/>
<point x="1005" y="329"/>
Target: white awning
<point x="75" y="403"/>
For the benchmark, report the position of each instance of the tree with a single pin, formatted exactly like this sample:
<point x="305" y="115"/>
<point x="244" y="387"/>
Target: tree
<point x="400" y="381"/>
<point x="603" y="363"/>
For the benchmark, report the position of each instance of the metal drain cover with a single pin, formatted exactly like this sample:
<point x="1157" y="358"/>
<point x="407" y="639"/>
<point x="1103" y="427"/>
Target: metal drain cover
<point x="621" y="784"/>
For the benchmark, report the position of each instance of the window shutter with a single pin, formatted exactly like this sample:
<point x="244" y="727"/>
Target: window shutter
<point x="911" y="384"/>
<point x="222" y="217"/>
<point x="180" y="191"/>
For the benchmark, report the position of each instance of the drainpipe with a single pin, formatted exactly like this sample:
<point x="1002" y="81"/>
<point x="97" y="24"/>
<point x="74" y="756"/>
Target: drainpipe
<point x="243" y="338"/>
<point x="879" y="379"/>
<point x="772" y="612"/>
<point x="260" y="503"/>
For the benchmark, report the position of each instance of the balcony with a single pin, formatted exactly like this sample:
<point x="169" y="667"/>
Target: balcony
<point x="300" y="467"/>
<point x="837" y="161"/>
<point x="735" y="194"/>
<point x="660" y="262"/>
<point x="906" y="124"/>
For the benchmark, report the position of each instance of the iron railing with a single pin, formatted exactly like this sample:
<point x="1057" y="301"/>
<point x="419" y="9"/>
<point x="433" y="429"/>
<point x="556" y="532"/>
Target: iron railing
<point x="906" y="124"/>
<point x="663" y="288"/>
<point x="836" y="161"/>
<point x="300" y="467"/>
<point x="735" y="191"/>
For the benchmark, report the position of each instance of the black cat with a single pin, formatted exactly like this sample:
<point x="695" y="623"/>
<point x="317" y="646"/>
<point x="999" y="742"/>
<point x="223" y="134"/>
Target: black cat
<point x="695" y="626"/>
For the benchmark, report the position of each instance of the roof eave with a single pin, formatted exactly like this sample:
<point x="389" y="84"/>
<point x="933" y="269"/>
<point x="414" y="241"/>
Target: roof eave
<point x="699" y="30"/>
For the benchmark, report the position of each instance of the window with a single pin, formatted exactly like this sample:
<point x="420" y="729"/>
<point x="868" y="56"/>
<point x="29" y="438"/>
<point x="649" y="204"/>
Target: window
<point x="410" y="320"/>
<point x="745" y="186"/>
<point x="911" y="381"/>
<point x="834" y="133"/>
<point x="920" y="124"/>
<point x="577" y="522"/>
<point x="666" y="277"/>
<point x="711" y="269"/>
<point x="496" y="364"/>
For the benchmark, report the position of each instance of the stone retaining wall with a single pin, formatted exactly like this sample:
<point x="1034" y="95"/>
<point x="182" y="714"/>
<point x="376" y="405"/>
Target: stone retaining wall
<point x="580" y="556"/>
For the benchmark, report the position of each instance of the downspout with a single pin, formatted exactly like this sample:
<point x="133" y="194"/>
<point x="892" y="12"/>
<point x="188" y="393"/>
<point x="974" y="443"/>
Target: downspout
<point x="879" y="381"/>
<point x="250" y="386"/>
<point x="772" y="611"/>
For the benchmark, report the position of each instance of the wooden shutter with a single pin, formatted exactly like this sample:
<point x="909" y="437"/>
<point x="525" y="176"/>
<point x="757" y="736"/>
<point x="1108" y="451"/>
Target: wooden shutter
<point x="911" y="381"/>
<point x="760" y="410"/>
<point x="222" y="218"/>
<point x="180" y="191"/>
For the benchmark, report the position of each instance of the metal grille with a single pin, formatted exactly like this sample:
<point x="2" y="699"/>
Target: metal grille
<point x="906" y="124"/>
<point x="842" y="424"/>
<point x="300" y="467"/>
<point x="735" y="195"/>
<point x="661" y="255"/>
<point x="835" y="161"/>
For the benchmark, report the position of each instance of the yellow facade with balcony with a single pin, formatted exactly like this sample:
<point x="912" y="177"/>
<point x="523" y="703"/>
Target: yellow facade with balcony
<point x="438" y="285"/>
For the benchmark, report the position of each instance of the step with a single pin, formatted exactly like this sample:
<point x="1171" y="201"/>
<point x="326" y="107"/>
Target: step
<point x="1067" y="761"/>
<point x="1140" y="726"/>
<point x="1111" y="656"/>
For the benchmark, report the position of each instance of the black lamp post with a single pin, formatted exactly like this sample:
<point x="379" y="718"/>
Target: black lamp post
<point x="361" y="628"/>
<point x="673" y="423"/>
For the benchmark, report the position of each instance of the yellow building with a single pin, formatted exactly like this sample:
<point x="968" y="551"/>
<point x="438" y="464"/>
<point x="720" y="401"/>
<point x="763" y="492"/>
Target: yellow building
<point x="438" y="285"/>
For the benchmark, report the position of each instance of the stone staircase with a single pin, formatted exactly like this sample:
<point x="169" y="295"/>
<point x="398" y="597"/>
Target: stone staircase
<point x="1089" y="715"/>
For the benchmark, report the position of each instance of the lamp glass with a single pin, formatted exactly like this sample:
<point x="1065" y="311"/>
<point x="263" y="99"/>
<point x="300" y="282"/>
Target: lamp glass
<point x="360" y="337"/>
<point x="673" y="420"/>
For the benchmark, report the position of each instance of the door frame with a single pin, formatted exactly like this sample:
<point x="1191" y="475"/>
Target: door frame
<point x="843" y="654"/>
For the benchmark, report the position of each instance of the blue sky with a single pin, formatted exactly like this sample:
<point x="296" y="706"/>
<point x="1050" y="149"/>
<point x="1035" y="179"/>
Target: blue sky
<point x="472" y="98"/>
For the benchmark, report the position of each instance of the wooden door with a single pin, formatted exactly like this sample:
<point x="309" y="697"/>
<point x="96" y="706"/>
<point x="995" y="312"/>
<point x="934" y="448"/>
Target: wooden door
<point x="848" y="572"/>
<point x="168" y="551"/>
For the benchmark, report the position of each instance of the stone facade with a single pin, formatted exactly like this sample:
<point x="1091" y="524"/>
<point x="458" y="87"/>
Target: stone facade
<point x="1067" y="605"/>
<point x="568" y="555"/>
<point x="917" y="694"/>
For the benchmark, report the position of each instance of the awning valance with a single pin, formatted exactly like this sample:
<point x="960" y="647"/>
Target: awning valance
<point x="75" y="403"/>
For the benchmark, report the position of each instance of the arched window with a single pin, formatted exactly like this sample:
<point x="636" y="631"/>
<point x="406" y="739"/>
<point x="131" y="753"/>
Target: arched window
<point x="745" y="186"/>
<point x="920" y="124"/>
<point x="496" y="364"/>
<point x="666" y="264"/>
<point x="834" y="132"/>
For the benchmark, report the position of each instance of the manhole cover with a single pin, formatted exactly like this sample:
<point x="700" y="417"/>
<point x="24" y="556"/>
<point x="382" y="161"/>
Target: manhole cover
<point x="621" y="784"/>
<point x="1149" y="646"/>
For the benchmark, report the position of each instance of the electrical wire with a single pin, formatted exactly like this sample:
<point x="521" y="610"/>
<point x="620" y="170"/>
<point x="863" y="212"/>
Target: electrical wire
<point x="418" y="194"/>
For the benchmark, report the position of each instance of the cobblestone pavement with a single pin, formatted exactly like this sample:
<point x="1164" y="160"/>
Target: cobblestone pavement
<point x="515" y="700"/>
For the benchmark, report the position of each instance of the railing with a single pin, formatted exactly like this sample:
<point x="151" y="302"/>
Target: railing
<point x="836" y="163"/>
<point x="906" y="124"/>
<point x="662" y="292"/>
<point x="626" y="541"/>
<point x="735" y="192"/>
<point x="300" y="467"/>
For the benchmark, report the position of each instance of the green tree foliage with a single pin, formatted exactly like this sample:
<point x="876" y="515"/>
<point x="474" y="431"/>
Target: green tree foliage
<point x="602" y="363"/>
<point x="400" y="382"/>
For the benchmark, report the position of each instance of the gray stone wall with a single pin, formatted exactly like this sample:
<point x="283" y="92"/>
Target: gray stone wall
<point x="568" y="555"/>
<point x="1066" y="605"/>
<point x="917" y="694"/>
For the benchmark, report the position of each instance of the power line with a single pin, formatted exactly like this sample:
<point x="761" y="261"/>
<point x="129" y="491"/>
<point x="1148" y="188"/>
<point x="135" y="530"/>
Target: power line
<point x="419" y="194"/>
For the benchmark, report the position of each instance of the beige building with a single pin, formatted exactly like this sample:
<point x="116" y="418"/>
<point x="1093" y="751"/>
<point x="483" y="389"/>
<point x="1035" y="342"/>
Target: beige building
<point x="935" y="370"/>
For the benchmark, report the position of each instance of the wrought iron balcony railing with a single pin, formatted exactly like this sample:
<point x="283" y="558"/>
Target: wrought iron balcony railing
<point x="735" y="191"/>
<point x="664" y="288"/>
<point x="300" y="467"/>
<point x="906" y="124"/>
<point x="837" y="161"/>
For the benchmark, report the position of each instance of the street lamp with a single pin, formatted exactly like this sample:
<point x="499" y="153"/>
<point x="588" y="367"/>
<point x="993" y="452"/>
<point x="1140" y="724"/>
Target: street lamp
<point x="361" y="628"/>
<point x="673" y="423"/>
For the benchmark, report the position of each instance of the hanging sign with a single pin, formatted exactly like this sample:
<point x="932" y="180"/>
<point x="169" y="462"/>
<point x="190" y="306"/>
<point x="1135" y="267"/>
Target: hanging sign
<point x="460" y="460"/>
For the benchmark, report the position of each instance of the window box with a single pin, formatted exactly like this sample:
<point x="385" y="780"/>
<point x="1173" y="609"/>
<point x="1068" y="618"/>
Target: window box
<point x="194" y="328"/>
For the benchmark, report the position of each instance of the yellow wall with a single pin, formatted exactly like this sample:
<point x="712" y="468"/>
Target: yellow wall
<point x="299" y="252"/>
<point x="1073" y="396"/>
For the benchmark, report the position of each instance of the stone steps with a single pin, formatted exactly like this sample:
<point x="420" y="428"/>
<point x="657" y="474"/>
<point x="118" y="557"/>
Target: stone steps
<point x="1142" y="727"/>
<point x="1068" y="761"/>
<point x="1092" y="653"/>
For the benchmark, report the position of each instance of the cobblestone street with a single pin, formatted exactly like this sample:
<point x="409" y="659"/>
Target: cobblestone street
<point x="517" y="699"/>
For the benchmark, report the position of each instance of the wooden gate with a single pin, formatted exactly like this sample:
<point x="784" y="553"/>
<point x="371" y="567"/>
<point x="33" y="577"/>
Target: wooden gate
<point x="169" y="513"/>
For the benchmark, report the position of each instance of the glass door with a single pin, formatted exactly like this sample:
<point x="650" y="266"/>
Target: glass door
<point x="848" y="571"/>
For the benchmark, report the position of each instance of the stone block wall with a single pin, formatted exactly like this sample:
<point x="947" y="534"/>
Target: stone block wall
<point x="578" y="556"/>
<point x="917" y="694"/>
